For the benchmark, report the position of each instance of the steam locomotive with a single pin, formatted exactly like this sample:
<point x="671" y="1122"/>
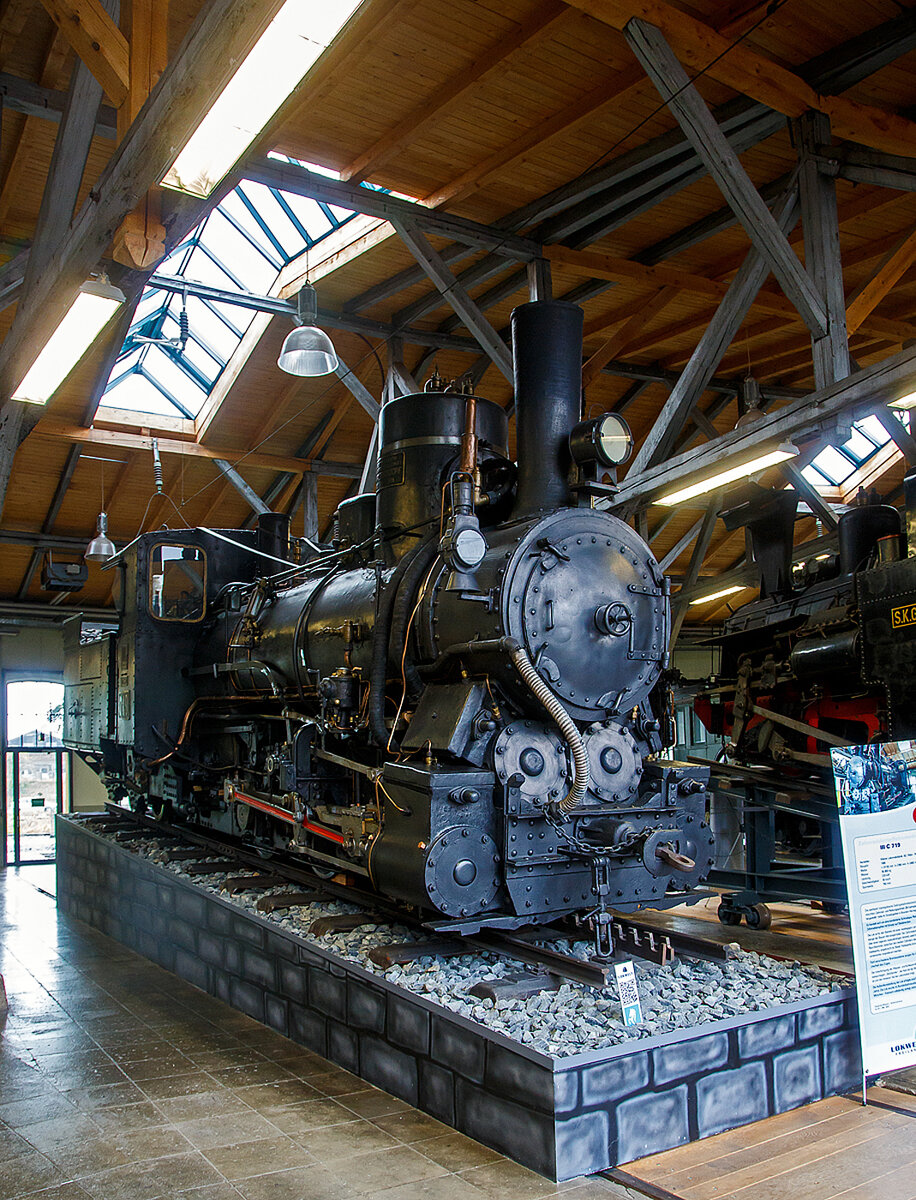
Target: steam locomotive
<point x="825" y="657"/>
<point x="455" y="702"/>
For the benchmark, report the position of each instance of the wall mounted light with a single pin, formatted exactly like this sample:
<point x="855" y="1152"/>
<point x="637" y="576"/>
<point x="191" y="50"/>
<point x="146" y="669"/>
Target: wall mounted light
<point x="712" y="483"/>
<point x="273" y="68"/>
<point x="95" y="304"/>
<point x="307" y="350"/>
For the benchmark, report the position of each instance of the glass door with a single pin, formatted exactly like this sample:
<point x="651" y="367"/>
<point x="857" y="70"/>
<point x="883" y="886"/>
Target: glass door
<point x="36" y="771"/>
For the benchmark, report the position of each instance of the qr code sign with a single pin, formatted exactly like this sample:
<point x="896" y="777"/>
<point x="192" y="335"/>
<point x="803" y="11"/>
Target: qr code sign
<point x="628" y="992"/>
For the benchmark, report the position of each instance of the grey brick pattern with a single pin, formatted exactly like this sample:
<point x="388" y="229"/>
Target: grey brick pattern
<point x="562" y="1117"/>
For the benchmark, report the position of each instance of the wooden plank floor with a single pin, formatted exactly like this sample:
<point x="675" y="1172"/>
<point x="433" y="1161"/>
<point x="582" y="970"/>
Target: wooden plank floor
<point x="798" y="931"/>
<point x="834" y="1148"/>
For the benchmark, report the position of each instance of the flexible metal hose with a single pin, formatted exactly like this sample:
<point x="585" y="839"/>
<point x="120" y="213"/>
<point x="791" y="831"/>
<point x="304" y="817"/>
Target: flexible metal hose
<point x="564" y="723"/>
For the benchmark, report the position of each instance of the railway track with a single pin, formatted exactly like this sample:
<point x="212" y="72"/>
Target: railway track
<point x="246" y="870"/>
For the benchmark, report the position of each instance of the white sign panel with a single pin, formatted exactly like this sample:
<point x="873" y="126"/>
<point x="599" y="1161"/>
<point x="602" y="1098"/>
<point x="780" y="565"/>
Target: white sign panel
<point x="876" y="793"/>
<point x="628" y="991"/>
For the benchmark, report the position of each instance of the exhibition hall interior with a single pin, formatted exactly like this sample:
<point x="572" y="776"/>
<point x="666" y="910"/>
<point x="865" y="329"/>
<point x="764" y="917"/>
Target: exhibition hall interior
<point x="457" y="599"/>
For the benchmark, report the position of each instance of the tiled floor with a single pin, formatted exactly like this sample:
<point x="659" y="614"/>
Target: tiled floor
<point x="120" y="1082"/>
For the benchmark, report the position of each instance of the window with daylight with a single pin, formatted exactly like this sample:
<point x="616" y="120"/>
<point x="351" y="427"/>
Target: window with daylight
<point x="836" y="464"/>
<point x="241" y="246"/>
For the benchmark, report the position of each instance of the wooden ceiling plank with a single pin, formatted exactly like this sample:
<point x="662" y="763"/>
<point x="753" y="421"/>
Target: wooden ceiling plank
<point x="541" y="23"/>
<point x="68" y="163"/>
<point x="21" y="158"/>
<point x="14" y="16"/>
<point x="330" y="429"/>
<point x="97" y="40"/>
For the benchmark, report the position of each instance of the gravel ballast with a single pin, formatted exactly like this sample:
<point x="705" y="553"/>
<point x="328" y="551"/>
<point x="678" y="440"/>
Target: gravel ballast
<point x="685" y="994"/>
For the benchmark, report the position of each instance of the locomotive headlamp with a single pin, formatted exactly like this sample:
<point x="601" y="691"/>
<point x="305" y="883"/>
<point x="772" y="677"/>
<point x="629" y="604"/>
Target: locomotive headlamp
<point x="307" y="350"/>
<point x="606" y="440"/>
<point x="463" y="545"/>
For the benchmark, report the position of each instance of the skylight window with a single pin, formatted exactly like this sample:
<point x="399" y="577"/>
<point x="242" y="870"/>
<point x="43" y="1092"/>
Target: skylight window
<point x="241" y="246"/>
<point x="835" y="464"/>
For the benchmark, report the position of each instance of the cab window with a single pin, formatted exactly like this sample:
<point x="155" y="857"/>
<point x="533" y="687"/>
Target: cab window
<point x="177" y="583"/>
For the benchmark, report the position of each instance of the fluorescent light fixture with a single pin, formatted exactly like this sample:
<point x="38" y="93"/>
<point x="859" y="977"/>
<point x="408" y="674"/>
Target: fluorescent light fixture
<point x="908" y="401"/>
<point x="713" y="482"/>
<point x="95" y="304"/>
<point x="729" y="591"/>
<point x="275" y="66"/>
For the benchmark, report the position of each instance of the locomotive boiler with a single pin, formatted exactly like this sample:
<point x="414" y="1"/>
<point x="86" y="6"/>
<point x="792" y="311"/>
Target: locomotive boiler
<point x="455" y="702"/>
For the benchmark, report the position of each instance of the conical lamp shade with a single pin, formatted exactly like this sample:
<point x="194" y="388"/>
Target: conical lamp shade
<point x="101" y="548"/>
<point x="307" y="351"/>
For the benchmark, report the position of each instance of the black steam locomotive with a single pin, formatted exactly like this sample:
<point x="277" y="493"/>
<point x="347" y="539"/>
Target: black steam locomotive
<point x="453" y="701"/>
<point x="826" y="657"/>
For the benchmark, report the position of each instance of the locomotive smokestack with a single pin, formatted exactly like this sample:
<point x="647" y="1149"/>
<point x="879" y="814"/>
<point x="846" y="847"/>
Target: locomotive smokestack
<point x="547" y="358"/>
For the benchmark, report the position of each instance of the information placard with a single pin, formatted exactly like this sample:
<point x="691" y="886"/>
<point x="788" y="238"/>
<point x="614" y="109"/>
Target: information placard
<point x="876" y="794"/>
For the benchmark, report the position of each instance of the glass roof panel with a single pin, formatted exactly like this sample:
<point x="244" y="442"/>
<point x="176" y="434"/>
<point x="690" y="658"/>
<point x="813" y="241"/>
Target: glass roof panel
<point x="834" y="465"/>
<point x="241" y="246"/>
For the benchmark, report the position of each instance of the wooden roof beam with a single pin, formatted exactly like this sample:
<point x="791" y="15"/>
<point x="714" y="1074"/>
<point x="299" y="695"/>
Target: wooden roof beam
<point x="754" y="74"/>
<point x="222" y="33"/>
<point x="718" y="336"/>
<point x="62" y="431"/>
<point x="34" y="100"/>
<point x="97" y="40"/>
<point x="807" y="416"/>
<point x="723" y="164"/>
<point x="490" y="341"/>
<point x="888" y="272"/>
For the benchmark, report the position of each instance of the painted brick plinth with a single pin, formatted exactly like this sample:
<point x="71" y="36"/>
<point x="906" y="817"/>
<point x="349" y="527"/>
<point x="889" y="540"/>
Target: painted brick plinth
<point x="563" y="1117"/>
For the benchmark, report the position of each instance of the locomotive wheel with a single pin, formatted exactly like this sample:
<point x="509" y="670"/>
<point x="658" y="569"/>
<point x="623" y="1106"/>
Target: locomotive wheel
<point x="758" y="917"/>
<point x="728" y="915"/>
